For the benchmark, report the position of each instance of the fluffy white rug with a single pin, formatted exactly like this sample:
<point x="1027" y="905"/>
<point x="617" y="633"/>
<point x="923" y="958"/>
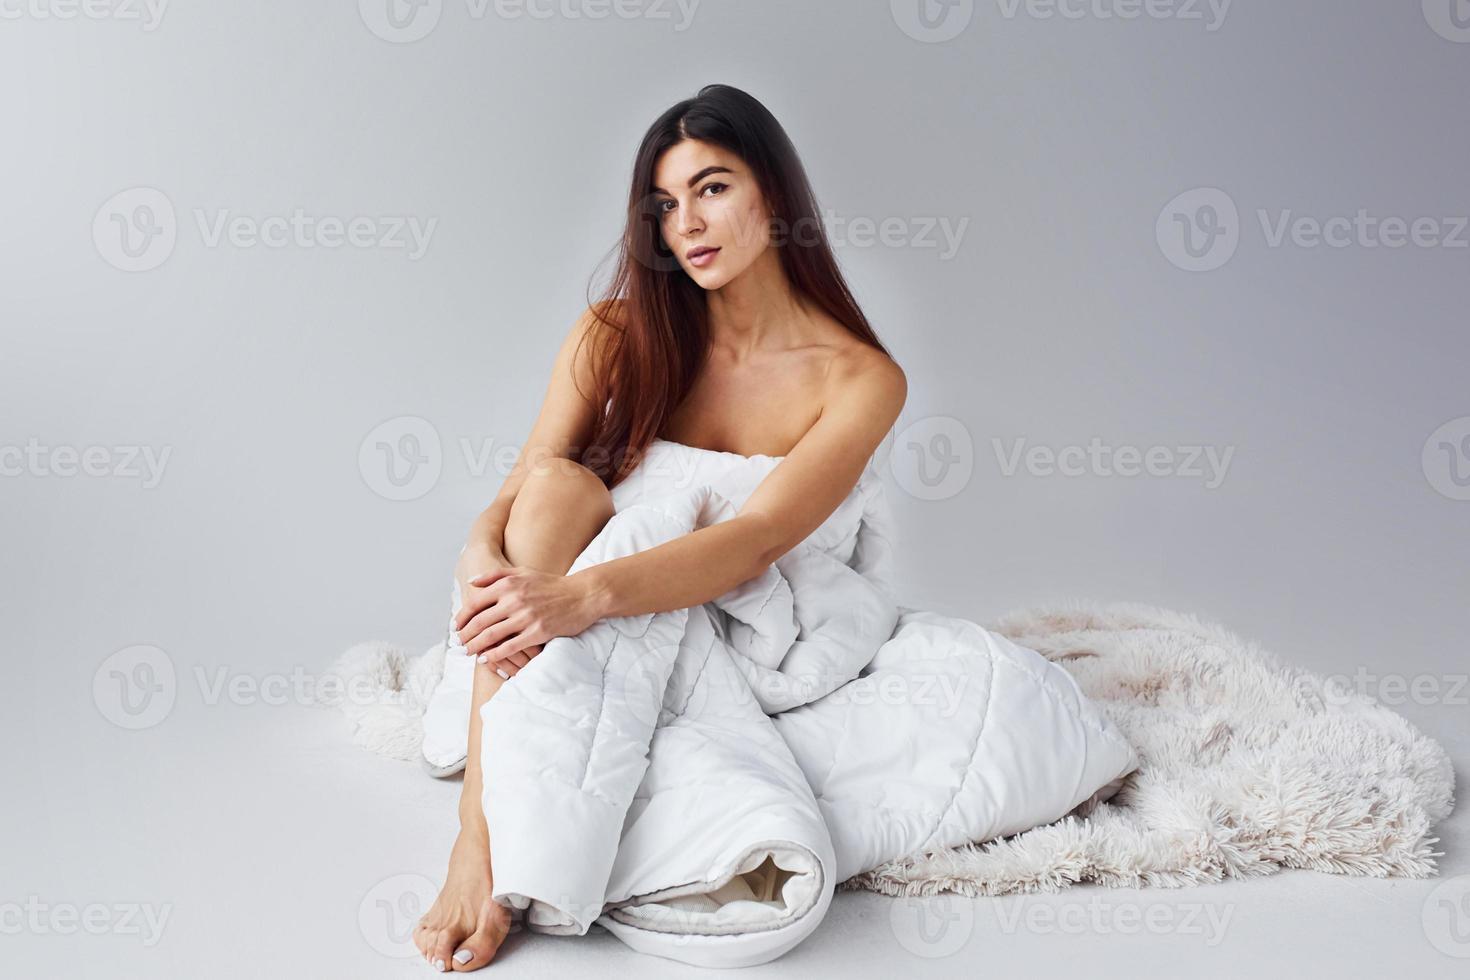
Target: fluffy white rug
<point x="384" y="691"/>
<point x="1248" y="765"/>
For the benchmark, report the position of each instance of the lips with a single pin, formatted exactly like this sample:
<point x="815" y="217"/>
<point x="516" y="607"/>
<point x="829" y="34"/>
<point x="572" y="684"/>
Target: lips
<point x="701" y="255"/>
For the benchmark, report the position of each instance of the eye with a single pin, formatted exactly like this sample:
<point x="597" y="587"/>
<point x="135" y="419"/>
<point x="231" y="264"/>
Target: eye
<point x="716" y="186"/>
<point x="662" y="206"/>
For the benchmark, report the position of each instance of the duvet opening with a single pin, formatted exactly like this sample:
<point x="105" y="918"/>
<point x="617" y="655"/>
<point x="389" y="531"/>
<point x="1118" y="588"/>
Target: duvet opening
<point x="770" y="888"/>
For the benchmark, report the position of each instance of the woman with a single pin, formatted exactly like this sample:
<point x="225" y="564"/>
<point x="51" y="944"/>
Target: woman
<point x="727" y="326"/>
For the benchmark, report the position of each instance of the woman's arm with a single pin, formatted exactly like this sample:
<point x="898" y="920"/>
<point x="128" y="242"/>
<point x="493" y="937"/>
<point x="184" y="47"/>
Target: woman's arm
<point x="788" y="505"/>
<point x="866" y="396"/>
<point x="563" y="426"/>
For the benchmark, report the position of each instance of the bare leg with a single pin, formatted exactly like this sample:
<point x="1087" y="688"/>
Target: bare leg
<point x="558" y="511"/>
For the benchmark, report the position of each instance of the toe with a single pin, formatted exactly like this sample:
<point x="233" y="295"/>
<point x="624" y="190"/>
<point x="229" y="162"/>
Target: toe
<point x="423" y="938"/>
<point x="480" y="948"/>
<point x="431" y="943"/>
<point x="441" y="957"/>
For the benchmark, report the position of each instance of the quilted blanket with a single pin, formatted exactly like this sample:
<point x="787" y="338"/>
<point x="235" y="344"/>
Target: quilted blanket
<point x="699" y="781"/>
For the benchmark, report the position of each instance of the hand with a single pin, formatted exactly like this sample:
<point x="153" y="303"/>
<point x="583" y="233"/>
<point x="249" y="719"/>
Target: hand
<point x="514" y="609"/>
<point x="474" y="562"/>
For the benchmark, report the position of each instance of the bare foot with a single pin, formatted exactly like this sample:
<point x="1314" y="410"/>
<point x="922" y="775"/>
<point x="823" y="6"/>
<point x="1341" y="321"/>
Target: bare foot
<point x="465" y="927"/>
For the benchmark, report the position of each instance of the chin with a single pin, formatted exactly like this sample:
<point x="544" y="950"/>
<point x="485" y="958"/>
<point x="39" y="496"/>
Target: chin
<point x="708" y="279"/>
<point x="711" y="283"/>
<point x="721" y="274"/>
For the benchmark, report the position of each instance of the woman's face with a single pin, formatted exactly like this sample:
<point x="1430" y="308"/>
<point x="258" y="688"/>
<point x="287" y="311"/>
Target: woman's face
<point x="707" y="201"/>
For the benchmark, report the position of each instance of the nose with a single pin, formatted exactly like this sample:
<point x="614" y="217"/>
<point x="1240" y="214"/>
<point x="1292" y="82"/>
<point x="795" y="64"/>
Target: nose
<point x="687" y="220"/>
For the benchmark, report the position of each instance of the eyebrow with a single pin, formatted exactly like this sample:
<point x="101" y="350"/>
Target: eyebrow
<point x="700" y="176"/>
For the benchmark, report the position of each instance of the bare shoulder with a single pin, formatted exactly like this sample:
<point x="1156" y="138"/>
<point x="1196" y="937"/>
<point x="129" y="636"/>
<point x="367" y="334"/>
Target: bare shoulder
<point x="600" y="324"/>
<point x="592" y="339"/>
<point x="860" y="373"/>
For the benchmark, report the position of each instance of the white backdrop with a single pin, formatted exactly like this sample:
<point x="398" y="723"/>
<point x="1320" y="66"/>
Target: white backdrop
<point x="1180" y="290"/>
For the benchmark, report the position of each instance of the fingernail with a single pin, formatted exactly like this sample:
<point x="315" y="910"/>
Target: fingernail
<point x="463" y="957"/>
<point x="439" y="965"/>
<point x="503" y="674"/>
<point x="483" y="658"/>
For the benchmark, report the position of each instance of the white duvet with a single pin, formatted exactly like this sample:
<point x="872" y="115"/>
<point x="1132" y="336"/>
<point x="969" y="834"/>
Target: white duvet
<point x="699" y="781"/>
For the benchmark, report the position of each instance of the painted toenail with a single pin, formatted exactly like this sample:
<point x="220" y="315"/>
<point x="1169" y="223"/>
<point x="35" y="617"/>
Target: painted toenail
<point x="463" y="957"/>
<point x="439" y="965"/>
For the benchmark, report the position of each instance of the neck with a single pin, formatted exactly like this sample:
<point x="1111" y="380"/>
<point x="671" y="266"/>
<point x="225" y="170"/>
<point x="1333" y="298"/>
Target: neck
<point x="756" y="310"/>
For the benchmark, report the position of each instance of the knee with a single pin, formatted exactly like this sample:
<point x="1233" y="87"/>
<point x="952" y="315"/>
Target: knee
<point x="562" y="486"/>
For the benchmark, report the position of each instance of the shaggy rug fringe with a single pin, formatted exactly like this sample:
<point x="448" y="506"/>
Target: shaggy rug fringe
<point x="1248" y="766"/>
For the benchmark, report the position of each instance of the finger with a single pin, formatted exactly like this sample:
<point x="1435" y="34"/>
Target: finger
<point x="480" y="581"/>
<point x="489" y="637"/>
<point x="483" y="621"/>
<point x="472" y="605"/>
<point x="513" y="644"/>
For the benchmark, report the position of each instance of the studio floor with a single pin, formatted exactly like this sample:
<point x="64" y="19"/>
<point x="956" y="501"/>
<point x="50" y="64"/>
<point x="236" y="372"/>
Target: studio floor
<point x="256" y="840"/>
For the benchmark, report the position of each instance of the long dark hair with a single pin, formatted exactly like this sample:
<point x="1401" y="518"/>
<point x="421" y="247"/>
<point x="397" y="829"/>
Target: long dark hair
<point x="654" y="317"/>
